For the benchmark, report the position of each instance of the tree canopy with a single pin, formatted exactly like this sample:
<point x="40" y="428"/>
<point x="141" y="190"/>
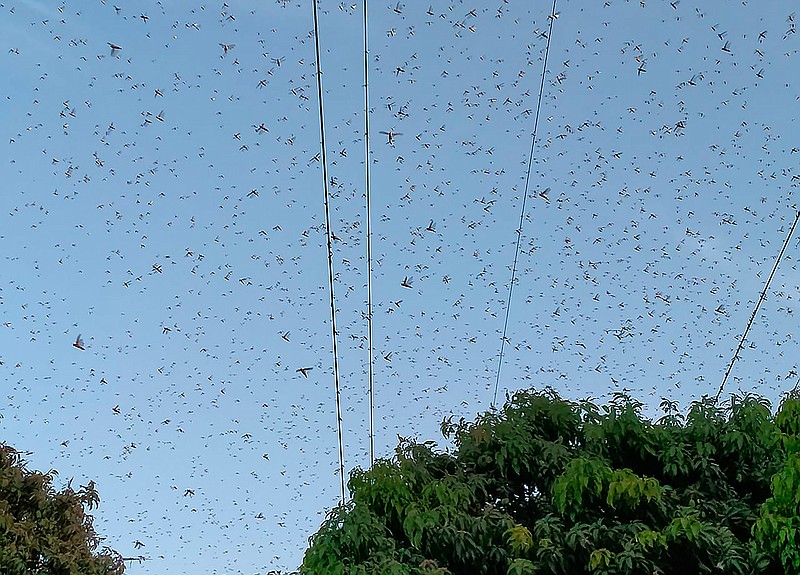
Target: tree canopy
<point x="546" y="485"/>
<point x="48" y="532"/>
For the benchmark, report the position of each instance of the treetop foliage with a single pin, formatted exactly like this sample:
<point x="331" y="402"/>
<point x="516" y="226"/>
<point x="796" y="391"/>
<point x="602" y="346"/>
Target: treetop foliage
<point x="547" y="485"/>
<point x="44" y="531"/>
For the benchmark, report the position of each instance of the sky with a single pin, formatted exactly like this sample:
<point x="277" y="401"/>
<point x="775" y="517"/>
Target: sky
<point x="163" y="200"/>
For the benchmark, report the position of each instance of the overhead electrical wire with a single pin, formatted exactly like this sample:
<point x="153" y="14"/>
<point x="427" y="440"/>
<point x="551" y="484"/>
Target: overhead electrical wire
<point x="552" y="17"/>
<point x="329" y="234"/>
<point x="367" y="161"/>
<point x="761" y="298"/>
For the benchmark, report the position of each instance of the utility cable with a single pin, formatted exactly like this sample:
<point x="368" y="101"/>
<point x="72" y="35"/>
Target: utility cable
<point x="367" y="162"/>
<point x="329" y="234"/>
<point x="552" y="17"/>
<point x="761" y="298"/>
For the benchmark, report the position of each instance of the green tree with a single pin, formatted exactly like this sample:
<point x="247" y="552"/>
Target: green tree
<point x="45" y="532"/>
<point x="551" y="486"/>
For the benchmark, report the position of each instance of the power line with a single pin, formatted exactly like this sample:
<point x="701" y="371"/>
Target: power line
<point x="329" y="235"/>
<point x="552" y="17"/>
<point x="761" y="298"/>
<point x="369" y="243"/>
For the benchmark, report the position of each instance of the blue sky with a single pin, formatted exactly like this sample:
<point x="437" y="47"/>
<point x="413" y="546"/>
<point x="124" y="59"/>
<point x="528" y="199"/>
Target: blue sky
<point x="144" y="209"/>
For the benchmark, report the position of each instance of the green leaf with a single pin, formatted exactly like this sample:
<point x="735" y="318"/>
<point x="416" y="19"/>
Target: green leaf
<point x="521" y="567"/>
<point x="519" y="538"/>
<point x="600" y="558"/>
